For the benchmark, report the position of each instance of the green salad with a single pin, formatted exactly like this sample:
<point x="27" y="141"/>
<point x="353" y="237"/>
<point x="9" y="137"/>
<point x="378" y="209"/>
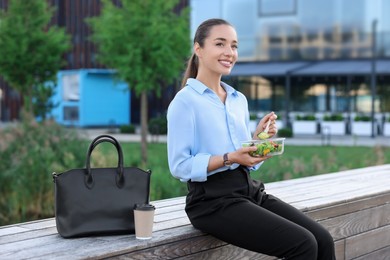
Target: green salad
<point x="265" y="148"/>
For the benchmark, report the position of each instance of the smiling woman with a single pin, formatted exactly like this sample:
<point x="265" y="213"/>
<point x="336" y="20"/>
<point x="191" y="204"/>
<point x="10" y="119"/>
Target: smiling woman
<point x="204" y="150"/>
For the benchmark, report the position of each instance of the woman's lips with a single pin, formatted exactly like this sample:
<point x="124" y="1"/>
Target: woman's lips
<point x="226" y="63"/>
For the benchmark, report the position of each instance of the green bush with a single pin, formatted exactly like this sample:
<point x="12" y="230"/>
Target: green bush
<point x="29" y="153"/>
<point x="127" y="129"/>
<point x="158" y="126"/>
<point x="334" y="117"/>
<point x="285" y="132"/>
<point x="362" y="118"/>
<point x="306" y="118"/>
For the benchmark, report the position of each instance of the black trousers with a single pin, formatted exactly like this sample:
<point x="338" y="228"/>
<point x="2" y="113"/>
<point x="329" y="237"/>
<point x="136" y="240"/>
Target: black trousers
<point x="235" y="208"/>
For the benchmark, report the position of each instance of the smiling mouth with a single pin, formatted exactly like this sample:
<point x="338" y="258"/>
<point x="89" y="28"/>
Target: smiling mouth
<point x="226" y="63"/>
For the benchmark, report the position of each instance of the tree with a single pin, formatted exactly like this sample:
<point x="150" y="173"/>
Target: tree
<point x="146" y="42"/>
<point x="31" y="51"/>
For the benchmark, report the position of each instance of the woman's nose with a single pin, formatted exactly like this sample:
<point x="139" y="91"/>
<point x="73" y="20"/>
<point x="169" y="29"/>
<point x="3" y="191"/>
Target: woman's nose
<point x="229" y="51"/>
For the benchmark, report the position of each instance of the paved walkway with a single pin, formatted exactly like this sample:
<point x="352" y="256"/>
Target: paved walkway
<point x="335" y="140"/>
<point x="345" y="140"/>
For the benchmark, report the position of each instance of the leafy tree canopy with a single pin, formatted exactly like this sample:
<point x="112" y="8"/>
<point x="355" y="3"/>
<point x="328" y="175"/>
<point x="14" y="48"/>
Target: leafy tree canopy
<point x="30" y="50"/>
<point x="144" y="40"/>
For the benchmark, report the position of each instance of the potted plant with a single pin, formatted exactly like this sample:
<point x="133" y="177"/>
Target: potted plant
<point x="305" y="124"/>
<point x="334" y="123"/>
<point x="362" y="125"/>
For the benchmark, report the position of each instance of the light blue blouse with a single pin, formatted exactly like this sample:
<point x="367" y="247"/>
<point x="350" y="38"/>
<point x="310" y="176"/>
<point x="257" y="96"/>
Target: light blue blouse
<point x="200" y="125"/>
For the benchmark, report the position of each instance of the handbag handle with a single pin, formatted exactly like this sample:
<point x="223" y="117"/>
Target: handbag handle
<point x="101" y="139"/>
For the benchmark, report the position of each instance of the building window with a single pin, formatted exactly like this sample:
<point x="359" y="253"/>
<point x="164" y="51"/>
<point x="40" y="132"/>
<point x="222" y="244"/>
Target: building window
<point x="71" y="113"/>
<point x="277" y="7"/>
<point x="71" y="91"/>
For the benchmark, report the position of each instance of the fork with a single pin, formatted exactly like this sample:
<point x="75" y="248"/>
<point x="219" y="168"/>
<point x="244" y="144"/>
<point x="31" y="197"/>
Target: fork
<point x="264" y="134"/>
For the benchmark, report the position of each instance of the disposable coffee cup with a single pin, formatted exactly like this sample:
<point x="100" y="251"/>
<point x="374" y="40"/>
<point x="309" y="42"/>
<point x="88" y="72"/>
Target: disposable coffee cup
<point x="143" y="220"/>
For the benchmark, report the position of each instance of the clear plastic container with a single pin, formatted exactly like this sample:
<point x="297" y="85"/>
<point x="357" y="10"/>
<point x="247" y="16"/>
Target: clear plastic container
<point x="267" y="147"/>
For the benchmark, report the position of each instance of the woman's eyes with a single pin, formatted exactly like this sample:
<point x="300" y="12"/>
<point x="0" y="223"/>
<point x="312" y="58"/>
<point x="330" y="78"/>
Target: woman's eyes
<point x="221" y="44"/>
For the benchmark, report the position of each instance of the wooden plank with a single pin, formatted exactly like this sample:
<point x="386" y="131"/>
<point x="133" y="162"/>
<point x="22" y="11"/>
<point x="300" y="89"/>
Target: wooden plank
<point x="102" y="246"/>
<point x="32" y="234"/>
<point x="172" y="223"/>
<point x="228" y="252"/>
<point x="39" y="224"/>
<point x="303" y="184"/>
<point x="358" y="222"/>
<point x="10" y="231"/>
<point x="170" y="216"/>
<point x="337" y="199"/>
<point x="379" y="170"/>
<point x="371" y="241"/>
<point x="381" y="254"/>
<point x="35" y="230"/>
<point x="348" y="207"/>
<point x="169" y="244"/>
<point x="45" y="246"/>
<point x="329" y="188"/>
<point x="42" y="223"/>
<point x="175" y="249"/>
<point x="340" y="249"/>
<point x="169" y="202"/>
<point x="173" y="208"/>
<point x="297" y="188"/>
<point x="27" y="230"/>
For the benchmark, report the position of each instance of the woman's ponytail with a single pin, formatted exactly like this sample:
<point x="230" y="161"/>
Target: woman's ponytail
<point x="192" y="69"/>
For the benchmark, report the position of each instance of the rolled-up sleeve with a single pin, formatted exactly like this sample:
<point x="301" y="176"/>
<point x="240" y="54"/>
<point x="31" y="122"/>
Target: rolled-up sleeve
<point x="183" y="163"/>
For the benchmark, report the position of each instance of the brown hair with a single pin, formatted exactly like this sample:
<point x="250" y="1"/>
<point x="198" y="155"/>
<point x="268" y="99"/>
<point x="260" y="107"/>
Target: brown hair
<point x="201" y="34"/>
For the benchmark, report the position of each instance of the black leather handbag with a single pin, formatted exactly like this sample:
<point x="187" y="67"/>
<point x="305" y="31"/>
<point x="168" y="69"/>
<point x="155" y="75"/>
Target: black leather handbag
<point x="99" y="201"/>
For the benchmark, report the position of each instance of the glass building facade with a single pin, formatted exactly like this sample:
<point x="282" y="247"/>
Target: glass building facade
<point x="307" y="29"/>
<point x="309" y="56"/>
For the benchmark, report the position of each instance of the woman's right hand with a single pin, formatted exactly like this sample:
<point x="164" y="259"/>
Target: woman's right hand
<point x="242" y="156"/>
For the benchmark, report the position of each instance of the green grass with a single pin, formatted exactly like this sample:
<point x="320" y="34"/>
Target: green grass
<point x="296" y="162"/>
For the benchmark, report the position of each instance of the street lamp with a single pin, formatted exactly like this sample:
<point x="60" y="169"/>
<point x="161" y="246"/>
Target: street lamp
<point x="373" y="76"/>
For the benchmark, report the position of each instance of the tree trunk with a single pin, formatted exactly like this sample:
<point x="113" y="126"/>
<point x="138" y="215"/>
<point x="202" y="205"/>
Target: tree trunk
<point x="27" y="110"/>
<point x="144" y="128"/>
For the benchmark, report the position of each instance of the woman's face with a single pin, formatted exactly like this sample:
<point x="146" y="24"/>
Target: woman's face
<point x="219" y="53"/>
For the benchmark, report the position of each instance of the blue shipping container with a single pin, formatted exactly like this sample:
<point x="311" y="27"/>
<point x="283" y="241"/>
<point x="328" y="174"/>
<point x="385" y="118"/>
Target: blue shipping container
<point x="91" y="98"/>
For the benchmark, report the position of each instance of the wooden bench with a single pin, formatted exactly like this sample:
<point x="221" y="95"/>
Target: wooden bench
<point x="353" y="205"/>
